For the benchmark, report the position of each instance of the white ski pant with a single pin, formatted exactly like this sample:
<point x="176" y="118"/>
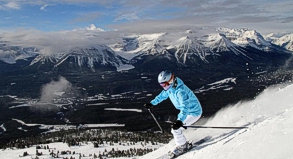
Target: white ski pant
<point x="178" y="134"/>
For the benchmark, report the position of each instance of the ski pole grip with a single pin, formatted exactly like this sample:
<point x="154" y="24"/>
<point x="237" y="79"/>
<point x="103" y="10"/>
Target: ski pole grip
<point x="149" y="110"/>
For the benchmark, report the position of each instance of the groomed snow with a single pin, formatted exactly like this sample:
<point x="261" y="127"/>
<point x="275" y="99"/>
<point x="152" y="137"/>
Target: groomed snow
<point x="269" y="135"/>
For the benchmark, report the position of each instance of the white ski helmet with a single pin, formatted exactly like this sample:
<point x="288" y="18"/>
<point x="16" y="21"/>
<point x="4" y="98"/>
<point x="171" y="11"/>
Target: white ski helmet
<point x="164" y="76"/>
<point x="165" y="79"/>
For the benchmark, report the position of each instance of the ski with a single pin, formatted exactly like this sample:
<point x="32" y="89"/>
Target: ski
<point x="192" y="145"/>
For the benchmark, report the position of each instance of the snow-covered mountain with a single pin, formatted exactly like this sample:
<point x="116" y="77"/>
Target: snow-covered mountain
<point x="84" y="57"/>
<point x="10" y="54"/>
<point x="186" y="49"/>
<point x="195" y="49"/>
<point x="245" y="37"/>
<point x="93" y="27"/>
<point x="285" y="41"/>
<point x="137" y="43"/>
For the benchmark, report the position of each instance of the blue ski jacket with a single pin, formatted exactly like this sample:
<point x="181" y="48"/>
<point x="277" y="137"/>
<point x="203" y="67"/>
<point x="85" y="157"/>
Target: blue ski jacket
<point x="182" y="98"/>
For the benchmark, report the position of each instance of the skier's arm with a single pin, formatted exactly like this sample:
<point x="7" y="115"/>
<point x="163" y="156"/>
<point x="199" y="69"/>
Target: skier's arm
<point x="159" y="98"/>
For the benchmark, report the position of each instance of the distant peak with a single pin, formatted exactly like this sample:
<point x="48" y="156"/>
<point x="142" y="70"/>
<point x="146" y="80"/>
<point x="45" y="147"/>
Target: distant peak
<point x="94" y="28"/>
<point x="189" y="31"/>
<point x="184" y="38"/>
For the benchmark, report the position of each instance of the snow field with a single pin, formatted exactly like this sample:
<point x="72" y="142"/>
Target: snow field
<point x="269" y="135"/>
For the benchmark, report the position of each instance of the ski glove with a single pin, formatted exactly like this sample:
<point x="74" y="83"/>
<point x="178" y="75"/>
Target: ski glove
<point x="148" y="105"/>
<point x="176" y="125"/>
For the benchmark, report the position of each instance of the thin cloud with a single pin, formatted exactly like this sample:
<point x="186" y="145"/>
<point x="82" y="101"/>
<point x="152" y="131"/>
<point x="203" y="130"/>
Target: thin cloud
<point x="59" y="41"/>
<point x="9" y="5"/>
<point x="128" y="17"/>
<point x="48" y="90"/>
<point x="13" y="5"/>
<point x="287" y="20"/>
<point x="51" y="92"/>
<point x="44" y="7"/>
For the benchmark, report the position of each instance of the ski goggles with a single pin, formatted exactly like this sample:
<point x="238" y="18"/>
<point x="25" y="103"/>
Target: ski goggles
<point x="165" y="85"/>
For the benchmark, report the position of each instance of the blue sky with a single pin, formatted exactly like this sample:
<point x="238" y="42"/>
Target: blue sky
<point x="55" y="26"/>
<point x="67" y="15"/>
<point x="56" y="15"/>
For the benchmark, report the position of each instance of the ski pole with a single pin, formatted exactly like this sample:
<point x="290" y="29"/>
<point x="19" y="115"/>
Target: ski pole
<point x="156" y="120"/>
<point x="215" y="127"/>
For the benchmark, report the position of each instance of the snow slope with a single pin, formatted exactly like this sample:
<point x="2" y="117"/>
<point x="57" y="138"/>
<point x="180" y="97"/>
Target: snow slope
<point x="269" y="135"/>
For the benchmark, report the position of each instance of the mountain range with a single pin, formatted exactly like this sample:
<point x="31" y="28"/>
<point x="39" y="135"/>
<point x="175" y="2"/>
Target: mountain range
<point x="224" y="45"/>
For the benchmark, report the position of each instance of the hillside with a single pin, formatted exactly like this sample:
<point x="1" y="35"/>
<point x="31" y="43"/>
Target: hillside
<point x="269" y="134"/>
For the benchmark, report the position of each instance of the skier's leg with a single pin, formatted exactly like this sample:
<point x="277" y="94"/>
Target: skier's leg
<point x="180" y="140"/>
<point x="191" y="120"/>
<point x="178" y="134"/>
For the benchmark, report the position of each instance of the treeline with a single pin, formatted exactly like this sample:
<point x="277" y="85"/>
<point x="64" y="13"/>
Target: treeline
<point x="99" y="137"/>
<point x="55" y="153"/>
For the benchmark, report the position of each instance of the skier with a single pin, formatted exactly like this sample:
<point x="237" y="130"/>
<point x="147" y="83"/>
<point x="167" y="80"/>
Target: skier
<point x="184" y="100"/>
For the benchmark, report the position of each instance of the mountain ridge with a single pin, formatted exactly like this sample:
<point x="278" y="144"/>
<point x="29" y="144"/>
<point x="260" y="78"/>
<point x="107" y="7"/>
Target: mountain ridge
<point x="188" y="47"/>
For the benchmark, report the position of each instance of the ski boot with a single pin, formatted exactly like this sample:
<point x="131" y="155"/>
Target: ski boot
<point x="179" y="150"/>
